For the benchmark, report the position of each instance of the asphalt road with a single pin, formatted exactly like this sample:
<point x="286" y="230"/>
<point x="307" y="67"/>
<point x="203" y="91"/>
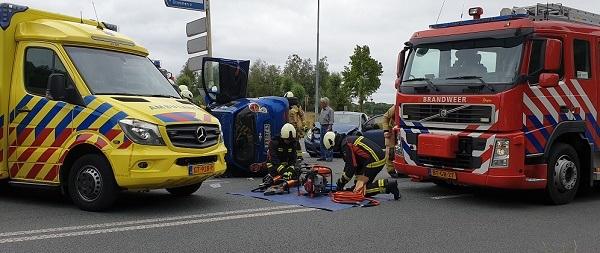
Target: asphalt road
<point x="427" y="219"/>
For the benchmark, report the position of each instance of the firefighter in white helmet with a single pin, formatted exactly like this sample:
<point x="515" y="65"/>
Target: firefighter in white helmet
<point x="282" y="154"/>
<point x="364" y="159"/>
<point x="185" y="92"/>
<point x="296" y="118"/>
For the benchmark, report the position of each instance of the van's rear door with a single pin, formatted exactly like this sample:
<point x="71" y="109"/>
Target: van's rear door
<point x="224" y="80"/>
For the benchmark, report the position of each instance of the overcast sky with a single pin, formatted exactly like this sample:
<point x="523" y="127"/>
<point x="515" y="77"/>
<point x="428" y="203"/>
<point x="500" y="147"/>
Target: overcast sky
<point x="273" y="29"/>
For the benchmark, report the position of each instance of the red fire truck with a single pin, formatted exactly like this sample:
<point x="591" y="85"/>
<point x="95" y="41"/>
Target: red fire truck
<point x="505" y="102"/>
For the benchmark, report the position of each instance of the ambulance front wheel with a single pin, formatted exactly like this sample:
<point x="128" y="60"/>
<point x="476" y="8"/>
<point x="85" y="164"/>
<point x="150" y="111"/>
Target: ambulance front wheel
<point x="92" y="185"/>
<point x="184" y="190"/>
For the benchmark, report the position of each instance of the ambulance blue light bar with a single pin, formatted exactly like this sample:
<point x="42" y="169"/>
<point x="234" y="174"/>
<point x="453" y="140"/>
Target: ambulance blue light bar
<point x="479" y="21"/>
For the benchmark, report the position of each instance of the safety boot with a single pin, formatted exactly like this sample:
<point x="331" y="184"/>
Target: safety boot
<point x="391" y="187"/>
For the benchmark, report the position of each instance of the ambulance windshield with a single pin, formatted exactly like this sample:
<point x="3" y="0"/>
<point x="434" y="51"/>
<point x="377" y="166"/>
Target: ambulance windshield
<point x="478" y="65"/>
<point x="114" y="73"/>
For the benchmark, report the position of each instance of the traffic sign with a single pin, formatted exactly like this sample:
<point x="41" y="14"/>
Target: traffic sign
<point x="196" y="27"/>
<point x="195" y="63"/>
<point x="197" y="45"/>
<point x="195" y="5"/>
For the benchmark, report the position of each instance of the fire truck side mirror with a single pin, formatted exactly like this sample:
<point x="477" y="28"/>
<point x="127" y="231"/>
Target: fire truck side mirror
<point x="399" y="68"/>
<point x="400" y="64"/>
<point x="548" y="80"/>
<point x="553" y="55"/>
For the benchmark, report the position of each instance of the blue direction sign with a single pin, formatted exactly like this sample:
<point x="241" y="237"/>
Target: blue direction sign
<point x="195" y="5"/>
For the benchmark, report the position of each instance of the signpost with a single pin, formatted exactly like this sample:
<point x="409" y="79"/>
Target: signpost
<point x="195" y="5"/>
<point x="199" y="44"/>
<point x="196" y="27"/>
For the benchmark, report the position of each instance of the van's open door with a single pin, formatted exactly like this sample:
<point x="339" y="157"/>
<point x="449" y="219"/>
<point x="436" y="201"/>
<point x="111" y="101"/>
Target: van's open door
<point x="224" y="80"/>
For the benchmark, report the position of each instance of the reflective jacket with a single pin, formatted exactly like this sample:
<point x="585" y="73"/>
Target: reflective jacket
<point x="360" y="155"/>
<point x="281" y="155"/>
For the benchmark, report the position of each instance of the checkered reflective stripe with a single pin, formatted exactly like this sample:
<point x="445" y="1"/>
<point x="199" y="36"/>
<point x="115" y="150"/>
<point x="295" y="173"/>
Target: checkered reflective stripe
<point x="43" y="136"/>
<point x="545" y="108"/>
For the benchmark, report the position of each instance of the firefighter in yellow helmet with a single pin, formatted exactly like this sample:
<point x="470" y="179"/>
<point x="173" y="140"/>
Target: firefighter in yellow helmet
<point x="388" y="123"/>
<point x="296" y="118"/>
<point x="364" y="159"/>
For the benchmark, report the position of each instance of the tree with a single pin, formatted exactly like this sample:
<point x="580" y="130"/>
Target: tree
<point x="286" y="84"/>
<point x="299" y="92"/>
<point x="301" y="71"/>
<point x="361" y="76"/>
<point x="190" y="79"/>
<point x="264" y="79"/>
<point x="337" y="92"/>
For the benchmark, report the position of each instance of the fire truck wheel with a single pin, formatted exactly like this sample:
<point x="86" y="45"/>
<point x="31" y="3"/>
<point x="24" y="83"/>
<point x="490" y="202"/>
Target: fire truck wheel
<point x="92" y="185"/>
<point x="563" y="174"/>
<point x="184" y="190"/>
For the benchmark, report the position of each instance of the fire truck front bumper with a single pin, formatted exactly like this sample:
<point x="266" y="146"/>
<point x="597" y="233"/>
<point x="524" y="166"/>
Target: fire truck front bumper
<point x="493" y="178"/>
<point x="468" y="159"/>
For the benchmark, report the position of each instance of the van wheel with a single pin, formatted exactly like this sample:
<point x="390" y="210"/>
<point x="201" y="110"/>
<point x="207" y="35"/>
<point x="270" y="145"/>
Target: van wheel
<point x="92" y="185"/>
<point x="184" y="190"/>
<point x="564" y="174"/>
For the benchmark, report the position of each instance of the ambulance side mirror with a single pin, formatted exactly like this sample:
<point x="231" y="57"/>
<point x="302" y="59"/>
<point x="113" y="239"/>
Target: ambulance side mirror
<point x="553" y="56"/>
<point x="548" y="80"/>
<point x="57" y="87"/>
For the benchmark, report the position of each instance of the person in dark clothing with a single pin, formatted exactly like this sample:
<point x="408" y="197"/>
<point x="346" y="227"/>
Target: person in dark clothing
<point x="282" y="154"/>
<point x="363" y="161"/>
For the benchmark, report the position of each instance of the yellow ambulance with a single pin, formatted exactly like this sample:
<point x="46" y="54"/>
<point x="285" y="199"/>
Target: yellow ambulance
<point x="83" y="109"/>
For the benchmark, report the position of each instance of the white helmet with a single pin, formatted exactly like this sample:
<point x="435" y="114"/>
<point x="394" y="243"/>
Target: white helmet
<point x="288" y="94"/>
<point x="329" y="140"/>
<point x="288" y="131"/>
<point x="187" y="94"/>
<point x="183" y="87"/>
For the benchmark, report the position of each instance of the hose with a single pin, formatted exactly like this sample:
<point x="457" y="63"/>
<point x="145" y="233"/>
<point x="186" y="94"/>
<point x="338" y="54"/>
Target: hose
<point x="353" y="198"/>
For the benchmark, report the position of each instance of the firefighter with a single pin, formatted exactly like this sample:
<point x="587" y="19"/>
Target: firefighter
<point x="296" y="118"/>
<point x="282" y="154"/>
<point x="388" y="124"/>
<point x="363" y="160"/>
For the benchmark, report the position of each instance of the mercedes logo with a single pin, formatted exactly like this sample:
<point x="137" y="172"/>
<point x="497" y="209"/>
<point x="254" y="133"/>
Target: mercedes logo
<point x="201" y="134"/>
<point x="443" y="113"/>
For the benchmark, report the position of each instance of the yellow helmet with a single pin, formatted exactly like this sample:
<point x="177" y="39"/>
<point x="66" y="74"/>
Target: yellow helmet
<point x="288" y="94"/>
<point x="288" y="131"/>
<point x="329" y="140"/>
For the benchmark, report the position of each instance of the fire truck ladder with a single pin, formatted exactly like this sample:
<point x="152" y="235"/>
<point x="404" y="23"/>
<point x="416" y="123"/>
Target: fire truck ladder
<point x="562" y="13"/>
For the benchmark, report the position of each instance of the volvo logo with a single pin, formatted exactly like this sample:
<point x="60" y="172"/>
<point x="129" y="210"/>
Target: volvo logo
<point x="443" y="113"/>
<point x="201" y="134"/>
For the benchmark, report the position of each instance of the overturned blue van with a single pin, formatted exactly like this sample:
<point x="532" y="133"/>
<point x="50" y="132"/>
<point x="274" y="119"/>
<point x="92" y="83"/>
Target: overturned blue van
<point x="248" y="124"/>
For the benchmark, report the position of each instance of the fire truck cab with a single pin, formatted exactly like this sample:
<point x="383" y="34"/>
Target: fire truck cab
<point x="505" y="102"/>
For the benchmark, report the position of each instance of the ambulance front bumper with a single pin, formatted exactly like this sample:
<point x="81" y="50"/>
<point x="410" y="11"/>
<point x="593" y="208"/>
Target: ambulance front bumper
<point x="156" y="167"/>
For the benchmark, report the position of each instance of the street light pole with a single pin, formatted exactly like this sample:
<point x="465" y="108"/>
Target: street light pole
<point x="317" y="64"/>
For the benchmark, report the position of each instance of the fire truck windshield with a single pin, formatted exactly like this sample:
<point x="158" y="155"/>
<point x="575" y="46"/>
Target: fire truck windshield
<point x="482" y="65"/>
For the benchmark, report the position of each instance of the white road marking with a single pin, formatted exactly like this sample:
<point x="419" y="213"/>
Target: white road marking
<point x="150" y="226"/>
<point x="135" y="222"/>
<point x="451" y="196"/>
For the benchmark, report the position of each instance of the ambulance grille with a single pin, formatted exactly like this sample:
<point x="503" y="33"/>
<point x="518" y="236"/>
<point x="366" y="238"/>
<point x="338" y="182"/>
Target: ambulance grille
<point x="191" y="135"/>
<point x="445" y="113"/>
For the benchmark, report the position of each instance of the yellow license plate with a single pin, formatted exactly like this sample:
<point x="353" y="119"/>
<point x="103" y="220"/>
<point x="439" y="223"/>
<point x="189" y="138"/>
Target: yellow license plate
<point x="199" y="169"/>
<point x="444" y="174"/>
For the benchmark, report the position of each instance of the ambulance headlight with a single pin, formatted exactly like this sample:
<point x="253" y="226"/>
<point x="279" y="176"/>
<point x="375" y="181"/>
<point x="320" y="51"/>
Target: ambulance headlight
<point x="501" y="153"/>
<point x="141" y="132"/>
